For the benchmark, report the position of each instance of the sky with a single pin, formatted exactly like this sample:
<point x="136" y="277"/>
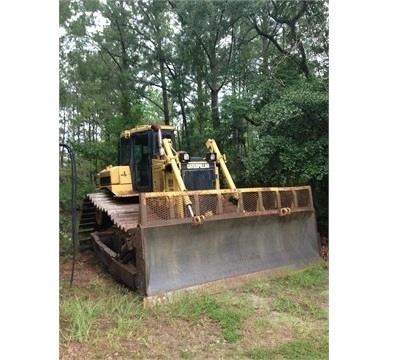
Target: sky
<point x="362" y="193"/>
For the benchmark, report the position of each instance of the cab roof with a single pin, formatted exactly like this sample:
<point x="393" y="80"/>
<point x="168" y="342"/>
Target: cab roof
<point x="143" y="128"/>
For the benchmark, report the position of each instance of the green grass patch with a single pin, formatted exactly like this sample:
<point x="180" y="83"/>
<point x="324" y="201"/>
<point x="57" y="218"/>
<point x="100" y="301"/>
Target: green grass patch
<point x="300" y="349"/>
<point x="187" y="355"/>
<point x="112" y="310"/>
<point x="298" y="307"/>
<point x="303" y="281"/>
<point x="312" y="277"/>
<point x="228" y="314"/>
<point x="80" y="316"/>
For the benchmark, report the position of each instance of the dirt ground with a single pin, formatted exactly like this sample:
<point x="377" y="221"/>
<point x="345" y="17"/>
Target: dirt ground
<point x="86" y="268"/>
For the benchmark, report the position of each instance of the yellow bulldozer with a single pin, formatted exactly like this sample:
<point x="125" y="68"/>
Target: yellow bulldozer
<point x="161" y="223"/>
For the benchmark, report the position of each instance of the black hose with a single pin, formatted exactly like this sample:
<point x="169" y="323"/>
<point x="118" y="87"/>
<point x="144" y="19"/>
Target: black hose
<point x="74" y="205"/>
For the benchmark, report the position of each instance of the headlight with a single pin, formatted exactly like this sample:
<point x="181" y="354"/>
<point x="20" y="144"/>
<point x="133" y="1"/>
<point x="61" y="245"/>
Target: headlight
<point x="184" y="156"/>
<point x="210" y="157"/>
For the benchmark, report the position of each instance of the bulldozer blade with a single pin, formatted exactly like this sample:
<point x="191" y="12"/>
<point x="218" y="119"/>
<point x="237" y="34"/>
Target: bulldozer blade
<point x="179" y="255"/>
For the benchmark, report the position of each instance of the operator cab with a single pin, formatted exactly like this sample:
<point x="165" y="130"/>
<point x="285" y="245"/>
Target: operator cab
<point x="137" y="150"/>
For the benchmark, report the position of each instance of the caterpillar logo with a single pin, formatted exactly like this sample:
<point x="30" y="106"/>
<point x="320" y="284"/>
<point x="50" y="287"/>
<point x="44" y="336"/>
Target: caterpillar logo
<point x="198" y="166"/>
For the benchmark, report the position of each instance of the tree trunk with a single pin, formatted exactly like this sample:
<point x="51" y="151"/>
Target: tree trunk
<point x="164" y="93"/>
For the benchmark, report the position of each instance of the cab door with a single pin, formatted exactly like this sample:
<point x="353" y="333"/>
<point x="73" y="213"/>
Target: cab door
<point x="141" y="162"/>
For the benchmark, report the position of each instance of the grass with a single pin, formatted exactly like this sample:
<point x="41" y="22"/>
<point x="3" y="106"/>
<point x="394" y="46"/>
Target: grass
<point x="220" y="311"/>
<point x="300" y="349"/>
<point x="82" y="314"/>
<point x="87" y="313"/>
<point x="281" y="318"/>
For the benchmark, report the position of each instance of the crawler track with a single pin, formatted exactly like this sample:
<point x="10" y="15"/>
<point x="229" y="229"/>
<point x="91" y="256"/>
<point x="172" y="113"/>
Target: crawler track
<point x="124" y="215"/>
<point x="113" y="239"/>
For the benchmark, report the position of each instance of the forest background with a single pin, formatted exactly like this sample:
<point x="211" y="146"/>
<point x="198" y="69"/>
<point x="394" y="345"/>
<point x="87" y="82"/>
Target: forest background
<point x="252" y="75"/>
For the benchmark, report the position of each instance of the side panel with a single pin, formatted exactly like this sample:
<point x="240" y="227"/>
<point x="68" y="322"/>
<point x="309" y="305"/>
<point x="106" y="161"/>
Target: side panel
<point x="181" y="255"/>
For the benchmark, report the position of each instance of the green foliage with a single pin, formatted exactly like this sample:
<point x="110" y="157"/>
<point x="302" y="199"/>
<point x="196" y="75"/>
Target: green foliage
<point x="84" y="183"/>
<point x="92" y="5"/>
<point x="77" y="27"/>
<point x="65" y="235"/>
<point x="292" y="144"/>
<point x="64" y="11"/>
<point x="198" y="133"/>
